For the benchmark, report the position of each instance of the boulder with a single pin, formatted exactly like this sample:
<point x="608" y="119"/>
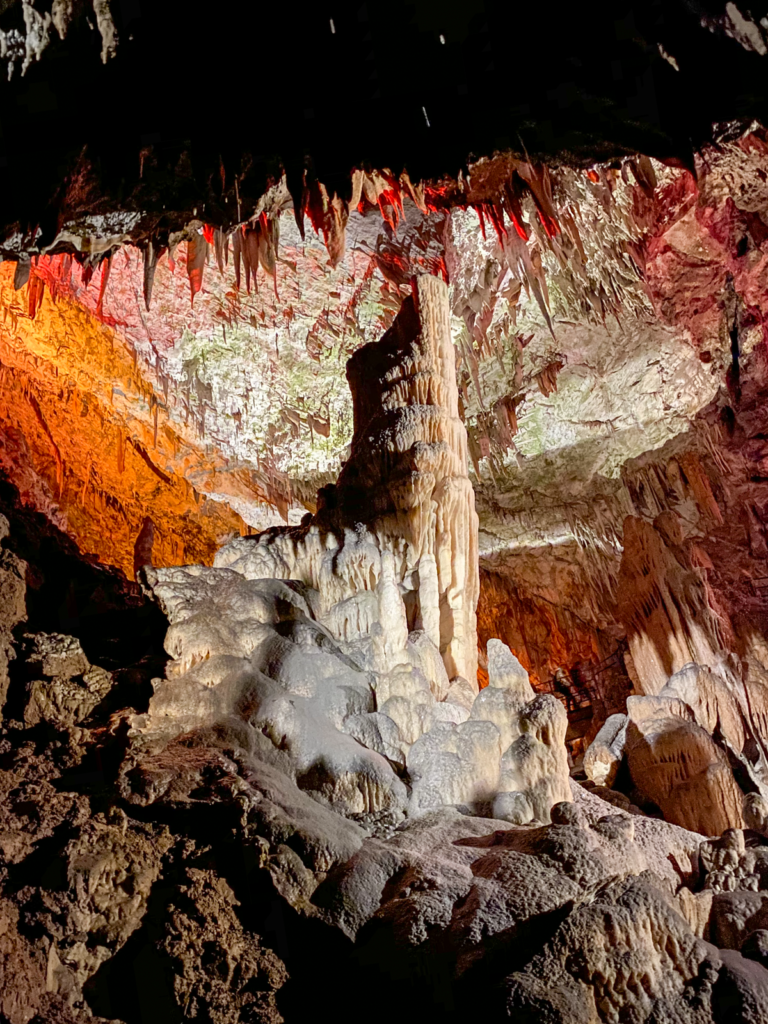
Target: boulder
<point x="676" y="764"/>
<point x="70" y="687"/>
<point x="604" y="755"/>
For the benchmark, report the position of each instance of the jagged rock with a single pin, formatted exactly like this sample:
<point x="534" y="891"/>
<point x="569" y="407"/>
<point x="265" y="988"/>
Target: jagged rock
<point x="22" y="970"/>
<point x="32" y="808"/>
<point x="731" y="865"/>
<point x="56" y="656"/>
<point x="735" y="916"/>
<point x="110" y="869"/>
<point x="220" y="971"/>
<point x="26" y="979"/>
<point x="72" y="687"/>
<point x="604" y="755"/>
<point x="12" y="605"/>
<point x="302" y="839"/>
<point x="651" y="968"/>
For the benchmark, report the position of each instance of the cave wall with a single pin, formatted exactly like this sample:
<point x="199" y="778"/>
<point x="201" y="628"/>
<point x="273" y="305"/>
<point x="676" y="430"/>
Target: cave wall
<point x="188" y="455"/>
<point x="704" y="268"/>
<point x="82" y="440"/>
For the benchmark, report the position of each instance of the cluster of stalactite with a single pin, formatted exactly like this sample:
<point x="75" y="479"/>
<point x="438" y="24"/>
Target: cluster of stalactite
<point x="543" y="228"/>
<point x="540" y="227"/>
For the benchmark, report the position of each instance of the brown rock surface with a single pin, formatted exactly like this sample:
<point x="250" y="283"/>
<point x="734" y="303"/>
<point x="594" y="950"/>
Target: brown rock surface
<point x="12" y="605"/>
<point x="220" y="971"/>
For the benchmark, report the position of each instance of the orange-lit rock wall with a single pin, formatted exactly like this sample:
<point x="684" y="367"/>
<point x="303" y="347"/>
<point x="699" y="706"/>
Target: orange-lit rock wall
<point x="561" y="651"/>
<point x="71" y="441"/>
<point x="544" y="637"/>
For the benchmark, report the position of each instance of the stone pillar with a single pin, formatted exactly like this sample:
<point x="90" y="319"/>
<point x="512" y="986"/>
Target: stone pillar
<point x="404" y="492"/>
<point x="407" y="476"/>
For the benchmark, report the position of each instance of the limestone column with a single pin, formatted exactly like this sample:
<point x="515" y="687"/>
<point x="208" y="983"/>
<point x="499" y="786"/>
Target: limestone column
<point x="407" y="475"/>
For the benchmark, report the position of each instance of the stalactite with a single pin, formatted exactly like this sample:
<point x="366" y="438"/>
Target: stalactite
<point x="197" y="254"/>
<point x="35" y="292"/>
<point x="105" y="268"/>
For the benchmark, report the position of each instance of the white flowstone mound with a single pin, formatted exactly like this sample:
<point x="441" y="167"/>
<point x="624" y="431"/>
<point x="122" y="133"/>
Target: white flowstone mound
<point x="344" y="651"/>
<point x="252" y="664"/>
<point x="247" y="652"/>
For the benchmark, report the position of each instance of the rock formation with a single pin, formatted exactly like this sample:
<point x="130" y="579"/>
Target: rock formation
<point x="236" y="881"/>
<point x="12" y="603"/>
<point x="394" y="541"/>
<point x="334" y="651"/>
<point x="441" y="689"/>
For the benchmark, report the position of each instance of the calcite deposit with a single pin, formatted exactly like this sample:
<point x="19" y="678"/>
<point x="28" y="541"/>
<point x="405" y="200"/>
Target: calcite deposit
<point x="346" y="647"/>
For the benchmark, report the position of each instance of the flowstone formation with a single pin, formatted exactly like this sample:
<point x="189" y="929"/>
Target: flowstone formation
<point x="344" y="651"/>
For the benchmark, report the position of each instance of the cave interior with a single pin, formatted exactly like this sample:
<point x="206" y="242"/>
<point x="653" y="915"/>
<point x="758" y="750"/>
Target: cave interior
<point x="383" y="512"/>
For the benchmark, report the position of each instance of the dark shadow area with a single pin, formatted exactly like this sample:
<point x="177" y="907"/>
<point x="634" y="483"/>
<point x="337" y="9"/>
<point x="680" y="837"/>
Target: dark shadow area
<point x="119" y="628"/>
<point x="456" y="80"/>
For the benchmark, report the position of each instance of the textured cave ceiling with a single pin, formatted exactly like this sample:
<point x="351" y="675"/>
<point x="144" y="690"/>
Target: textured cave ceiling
<point x="193" y="251"/>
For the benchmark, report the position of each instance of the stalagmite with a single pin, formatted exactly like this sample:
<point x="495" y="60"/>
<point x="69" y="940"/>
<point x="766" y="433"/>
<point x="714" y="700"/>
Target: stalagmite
<point x="350" y="643"/>
<point x="404" y="493"/>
